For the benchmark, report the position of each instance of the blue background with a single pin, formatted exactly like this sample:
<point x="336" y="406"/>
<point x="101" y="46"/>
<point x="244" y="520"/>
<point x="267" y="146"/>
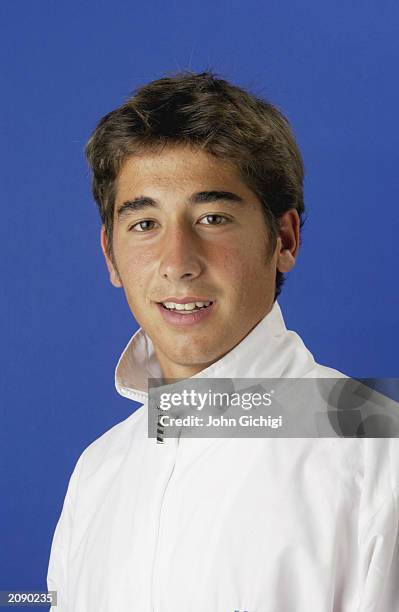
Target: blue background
<point x="333" y="70"/>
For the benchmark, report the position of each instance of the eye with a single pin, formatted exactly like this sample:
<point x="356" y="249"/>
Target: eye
<point x="143" y="226"/>
<point x="214" y="220"/>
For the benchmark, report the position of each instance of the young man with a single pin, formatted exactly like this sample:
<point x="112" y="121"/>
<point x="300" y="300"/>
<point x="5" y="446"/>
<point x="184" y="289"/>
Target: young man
<point x="200" y="190"/>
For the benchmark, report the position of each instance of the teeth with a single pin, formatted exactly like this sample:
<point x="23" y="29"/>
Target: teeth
<point x="189" y="306"/>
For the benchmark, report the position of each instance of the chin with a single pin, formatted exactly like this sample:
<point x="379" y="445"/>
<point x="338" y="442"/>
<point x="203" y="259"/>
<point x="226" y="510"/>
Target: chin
<point x="190" y="357"/>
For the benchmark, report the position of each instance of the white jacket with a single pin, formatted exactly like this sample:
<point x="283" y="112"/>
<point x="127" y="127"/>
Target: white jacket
<point x="227" y="525"/>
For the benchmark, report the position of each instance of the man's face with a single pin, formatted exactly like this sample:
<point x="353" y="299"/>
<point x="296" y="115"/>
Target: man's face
<point x="186" y="228"/>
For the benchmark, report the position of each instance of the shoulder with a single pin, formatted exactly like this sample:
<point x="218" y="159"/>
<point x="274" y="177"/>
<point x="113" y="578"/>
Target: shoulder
<point x="114" y="442"/>
<point x="322" y="371"/>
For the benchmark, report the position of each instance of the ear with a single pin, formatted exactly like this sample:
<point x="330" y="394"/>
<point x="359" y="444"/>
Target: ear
<point x="113" y="272"/>
<point x="288" y="240"/>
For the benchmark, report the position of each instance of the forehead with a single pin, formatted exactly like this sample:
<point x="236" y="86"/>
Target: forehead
<point x="175" y="168"/>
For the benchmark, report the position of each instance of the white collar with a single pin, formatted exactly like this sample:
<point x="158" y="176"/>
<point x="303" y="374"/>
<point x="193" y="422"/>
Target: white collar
<point x="268" y="351"/>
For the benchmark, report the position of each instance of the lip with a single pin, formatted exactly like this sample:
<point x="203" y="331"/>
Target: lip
<point x="185" y="300"/>
<point x="186" y="320"/>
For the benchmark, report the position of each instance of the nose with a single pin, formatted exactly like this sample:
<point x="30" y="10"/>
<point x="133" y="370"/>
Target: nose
<point x="180" y="254"/>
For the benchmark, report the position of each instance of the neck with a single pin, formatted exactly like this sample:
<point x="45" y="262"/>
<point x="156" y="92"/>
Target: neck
<point x="172" y="370"/>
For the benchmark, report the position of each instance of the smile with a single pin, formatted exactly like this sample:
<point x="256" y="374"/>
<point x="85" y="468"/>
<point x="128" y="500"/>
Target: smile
<point x="187" y="307"/>
<point x="187" y="314"/>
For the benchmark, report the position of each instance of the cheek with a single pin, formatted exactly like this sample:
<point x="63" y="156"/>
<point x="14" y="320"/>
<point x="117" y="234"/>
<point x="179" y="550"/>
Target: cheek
<point x="135" y="265"/>
<point x="135" y="258"/>
<point x="250" y="280"/>
<point x="243" y="262"/>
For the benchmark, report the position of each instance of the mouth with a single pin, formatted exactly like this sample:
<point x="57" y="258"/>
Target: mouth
<point x="186" y="307"/>
<point x="186" y="311"/>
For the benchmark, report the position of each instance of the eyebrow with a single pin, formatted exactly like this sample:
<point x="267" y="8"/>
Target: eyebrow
<point x="202" y="197"/>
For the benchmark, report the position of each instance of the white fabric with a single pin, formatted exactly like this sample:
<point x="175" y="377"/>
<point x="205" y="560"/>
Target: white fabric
<point x="225" y="525"/>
